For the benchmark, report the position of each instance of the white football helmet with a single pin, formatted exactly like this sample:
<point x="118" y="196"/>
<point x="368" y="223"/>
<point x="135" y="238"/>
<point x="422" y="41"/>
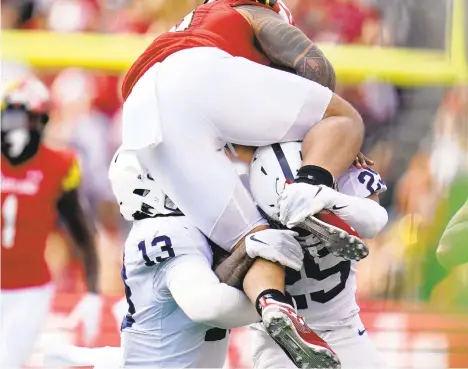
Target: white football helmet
<point x="135" y="190"/>
<point x="271" y="168"/>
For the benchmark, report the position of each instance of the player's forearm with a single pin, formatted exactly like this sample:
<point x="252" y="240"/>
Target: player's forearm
<point x="232" y="271"/>
<point x="82" y="234"/>
<point x="227" y="307"/>
<point x="203" y="298"/>
<point x="230" y="308"/>
<point x="366" y="216"/>
<point x="287" y="45"/>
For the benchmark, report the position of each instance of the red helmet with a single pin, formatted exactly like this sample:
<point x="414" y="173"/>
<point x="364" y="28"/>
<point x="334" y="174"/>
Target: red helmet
<point x="29" y="94"/>
<point x="25" y="111"/>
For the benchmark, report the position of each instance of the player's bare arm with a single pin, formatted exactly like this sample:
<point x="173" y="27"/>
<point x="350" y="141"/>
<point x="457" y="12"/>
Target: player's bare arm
<point x="71" y="210"/>
<point x="234" y="267"/>
<point x="453" y="248"/>
<point x="277" y="246"/>
<point x="231" y="269"/>
<point x="289" y="46"/>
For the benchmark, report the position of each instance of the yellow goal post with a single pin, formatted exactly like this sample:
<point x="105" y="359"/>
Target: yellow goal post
<point x="115" y="53"/>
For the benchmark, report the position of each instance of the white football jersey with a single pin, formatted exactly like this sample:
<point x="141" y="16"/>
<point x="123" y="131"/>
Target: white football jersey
<point x="324" y="289"/>
<point x="156" y="332"/>
<point x="154" y="240"/>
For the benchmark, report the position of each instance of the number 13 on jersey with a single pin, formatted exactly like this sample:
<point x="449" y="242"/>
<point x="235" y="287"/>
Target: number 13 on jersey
<point x="164" y="247"/>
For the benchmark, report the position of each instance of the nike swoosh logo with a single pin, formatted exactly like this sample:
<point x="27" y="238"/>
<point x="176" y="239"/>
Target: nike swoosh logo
<point x="339" y="207"/>
<point x="257" y="240"/>
<point x="361" y="332"/>
<point x="319" y="190"/>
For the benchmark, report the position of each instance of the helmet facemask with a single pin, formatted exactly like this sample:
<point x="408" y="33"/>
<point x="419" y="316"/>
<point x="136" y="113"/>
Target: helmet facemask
<point x="21" y="134"/>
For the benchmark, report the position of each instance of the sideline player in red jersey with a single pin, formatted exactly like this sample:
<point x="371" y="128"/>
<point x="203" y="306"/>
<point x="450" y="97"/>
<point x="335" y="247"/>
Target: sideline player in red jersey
<point x="38" y="183"/>
<point x="207" y="83"/>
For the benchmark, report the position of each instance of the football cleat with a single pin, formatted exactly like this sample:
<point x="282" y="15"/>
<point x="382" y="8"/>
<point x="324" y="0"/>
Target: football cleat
<point x="289" y="330"/>
<point x="336" y="235"/>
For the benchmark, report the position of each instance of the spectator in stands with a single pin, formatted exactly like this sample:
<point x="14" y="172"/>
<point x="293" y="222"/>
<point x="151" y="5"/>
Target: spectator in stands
<point x="338" y="21"/>
<point x="433" y="189"/>
<point x="19" y="14"/>
<point x="74" y="16"/>
<point x="76" y="122"/>
<point x="356" y="22"/>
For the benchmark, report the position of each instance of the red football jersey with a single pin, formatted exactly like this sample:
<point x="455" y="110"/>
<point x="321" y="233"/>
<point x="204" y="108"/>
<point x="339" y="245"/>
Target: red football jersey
<point x="30" y="192"/>
<point x="214" y="24"/>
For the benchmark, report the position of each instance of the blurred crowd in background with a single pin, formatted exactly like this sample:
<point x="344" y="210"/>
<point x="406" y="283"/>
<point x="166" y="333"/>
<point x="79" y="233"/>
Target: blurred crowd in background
<point x="417" y="136"/>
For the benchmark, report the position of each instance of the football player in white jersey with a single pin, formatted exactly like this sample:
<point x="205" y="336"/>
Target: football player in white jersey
<point x="324" y="289"/>
<point x="174" y="298"/>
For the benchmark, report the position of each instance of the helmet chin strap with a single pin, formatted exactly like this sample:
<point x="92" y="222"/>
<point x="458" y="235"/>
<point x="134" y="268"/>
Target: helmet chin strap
<point x="232" y="149"/>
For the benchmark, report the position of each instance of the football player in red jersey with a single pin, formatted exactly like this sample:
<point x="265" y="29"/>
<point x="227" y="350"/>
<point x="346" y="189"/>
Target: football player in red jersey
<point x="206" y="83"/>
<point x="38" y="184"/>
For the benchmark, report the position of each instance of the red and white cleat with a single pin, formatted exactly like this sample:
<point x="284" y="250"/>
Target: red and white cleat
<point x="336" y="235"/>
<point x="289" y="330"/>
